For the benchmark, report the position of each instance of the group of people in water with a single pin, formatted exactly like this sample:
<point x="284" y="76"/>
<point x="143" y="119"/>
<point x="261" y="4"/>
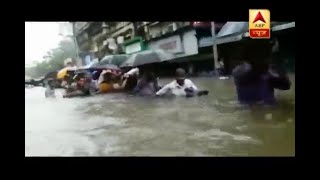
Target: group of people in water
<point x="108" y="81"/>
<point x="254" y="83"/>
<point x="255" y="80"/>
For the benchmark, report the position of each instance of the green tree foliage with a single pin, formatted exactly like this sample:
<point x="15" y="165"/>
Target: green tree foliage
<point x="54" y="59"/>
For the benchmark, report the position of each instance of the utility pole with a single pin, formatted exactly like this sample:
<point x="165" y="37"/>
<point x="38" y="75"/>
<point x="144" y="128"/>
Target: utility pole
<point x="215" y="49"/>
<point x="74" y="38"/>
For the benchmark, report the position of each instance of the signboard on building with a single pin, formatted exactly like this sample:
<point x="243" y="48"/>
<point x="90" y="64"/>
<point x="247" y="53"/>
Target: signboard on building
<point x="132" y="48"/>
<point x="171" y="44"/>
<point x="190" y="43"/>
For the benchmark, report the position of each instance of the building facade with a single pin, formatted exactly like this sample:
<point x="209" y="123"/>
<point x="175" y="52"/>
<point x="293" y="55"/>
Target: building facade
<point x="97" y="39"/>
<point x="191" y="42"/>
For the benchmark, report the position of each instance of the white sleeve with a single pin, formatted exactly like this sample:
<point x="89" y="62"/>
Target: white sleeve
<point x="193" y="85"/>
<point x="133" y="71"/>
<point x="163" y="90"/>
<point x="101" y="78"/>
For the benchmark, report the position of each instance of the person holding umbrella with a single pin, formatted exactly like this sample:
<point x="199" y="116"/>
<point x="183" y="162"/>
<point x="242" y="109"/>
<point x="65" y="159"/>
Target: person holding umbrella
<point x="148" y="85"/>
<point x="108" y="82"/>
<point x="257" y="77"/>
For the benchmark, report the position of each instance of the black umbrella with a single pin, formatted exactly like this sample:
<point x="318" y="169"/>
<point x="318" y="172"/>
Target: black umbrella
<point x="52" y="74"/>
<point x="81" y="71"/>
<point x="114" y="59"/>
<point x="90" y="65"/>
<point x="147" y="57"/>
<point x="44" y="80"/>
<point x="106" y="66"/>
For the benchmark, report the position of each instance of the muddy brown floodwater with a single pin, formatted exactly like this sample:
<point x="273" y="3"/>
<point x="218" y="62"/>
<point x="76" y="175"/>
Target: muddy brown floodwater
<point x="122" y="125"/>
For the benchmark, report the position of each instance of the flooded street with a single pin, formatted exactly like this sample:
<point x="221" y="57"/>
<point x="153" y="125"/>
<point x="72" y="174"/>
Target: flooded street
<point x="123" y="125"/>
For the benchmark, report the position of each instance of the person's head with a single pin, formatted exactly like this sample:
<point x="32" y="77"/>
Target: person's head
<point x="66" y="77"/>
<point x="115" y="77"/>
<point x="180" y="76"/>
<point x="69" y="64"/>
<point x="81" y="82"/>
<point x="108" y="76"/>
<point x="51" y="83"/>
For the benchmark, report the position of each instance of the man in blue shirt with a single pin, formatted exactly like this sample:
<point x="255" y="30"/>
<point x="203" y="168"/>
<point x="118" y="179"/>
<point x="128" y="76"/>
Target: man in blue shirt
<point x="258" y="87"/>
<point x="256" y="78"/>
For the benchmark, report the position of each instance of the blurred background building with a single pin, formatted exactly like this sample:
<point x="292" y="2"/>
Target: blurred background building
<point x="191" y="42"/>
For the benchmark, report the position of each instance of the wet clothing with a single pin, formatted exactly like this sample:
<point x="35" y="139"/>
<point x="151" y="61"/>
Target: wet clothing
<point x="50" y="92"/>
<point x="146" y="88"/>
<point x="175" y="89"/>
<point x="105" y="87"/>
<point x="254" y="87"/>
<point x="131" y="83"/>
<point x="88" y="88"/>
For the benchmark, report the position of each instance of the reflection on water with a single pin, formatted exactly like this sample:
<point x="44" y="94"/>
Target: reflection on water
<point x="122" y="125"/>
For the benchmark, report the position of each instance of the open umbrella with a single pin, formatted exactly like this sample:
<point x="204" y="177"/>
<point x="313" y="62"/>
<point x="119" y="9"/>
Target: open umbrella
<point x="65" y="71"/>
<point x="52" y="74"/>
<point x="114" y="59"/>
<point x="90" y="65"/>
<point x="106" y="66"/>
<point x="147" y="57"/>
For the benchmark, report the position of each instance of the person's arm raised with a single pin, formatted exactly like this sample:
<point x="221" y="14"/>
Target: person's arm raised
<point x="118" y="86"/>
<point x="163" y="90"/>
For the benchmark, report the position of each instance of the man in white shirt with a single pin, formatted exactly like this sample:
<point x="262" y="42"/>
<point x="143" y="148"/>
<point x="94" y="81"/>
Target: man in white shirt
<point x="50" y="91"/>
<point x="180" y="86"/>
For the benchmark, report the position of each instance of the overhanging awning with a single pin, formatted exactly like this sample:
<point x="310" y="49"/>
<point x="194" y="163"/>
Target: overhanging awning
<point x="209" y="41"/>
<point x="230" y="32"/>
<point x="284" y="26"/>
<point x="196" y="57"/>
<point x="228" y="39"/>
<point x="205" y="41"/>
<point x="232" y="28"/>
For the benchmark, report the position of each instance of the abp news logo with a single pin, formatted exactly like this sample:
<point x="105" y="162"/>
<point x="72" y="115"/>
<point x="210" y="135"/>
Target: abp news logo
<point x="259" y="23"/>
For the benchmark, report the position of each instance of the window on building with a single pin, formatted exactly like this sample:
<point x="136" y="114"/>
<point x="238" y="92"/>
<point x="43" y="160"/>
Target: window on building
<point x="203" y="29"/>
<point x="128" y="34"/>
<point x="141" y="32"/>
